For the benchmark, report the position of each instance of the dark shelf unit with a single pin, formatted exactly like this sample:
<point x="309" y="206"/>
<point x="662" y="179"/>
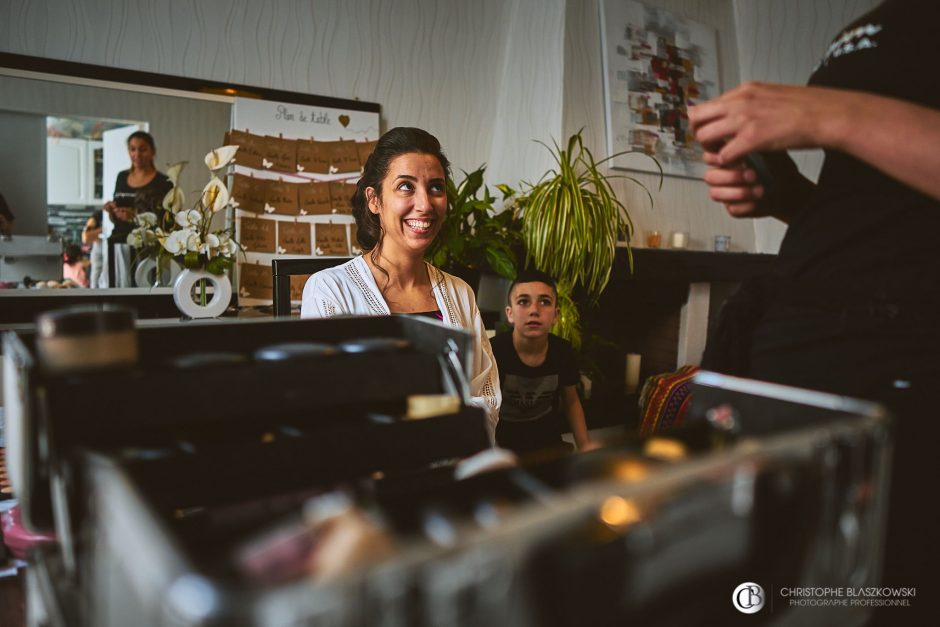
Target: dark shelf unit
<point x="688" y="266"/>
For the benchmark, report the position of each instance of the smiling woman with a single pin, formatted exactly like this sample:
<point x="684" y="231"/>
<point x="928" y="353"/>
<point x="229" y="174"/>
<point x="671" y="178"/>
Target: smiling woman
<point x="399" y="206"/>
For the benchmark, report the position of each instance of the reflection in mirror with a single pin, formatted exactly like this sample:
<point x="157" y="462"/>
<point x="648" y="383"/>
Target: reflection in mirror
<point x="56" y="161"/>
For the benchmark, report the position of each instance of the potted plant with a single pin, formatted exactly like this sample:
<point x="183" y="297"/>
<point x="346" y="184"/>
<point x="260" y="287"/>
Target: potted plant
<point x="474" y="236"/>
<point x="571" y="221"/>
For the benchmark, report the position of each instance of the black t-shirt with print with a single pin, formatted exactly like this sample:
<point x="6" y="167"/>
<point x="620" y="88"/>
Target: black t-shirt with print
<point x="531" y="415"/>
<point x="146" y="198"/>
<point x="861" y="229"/>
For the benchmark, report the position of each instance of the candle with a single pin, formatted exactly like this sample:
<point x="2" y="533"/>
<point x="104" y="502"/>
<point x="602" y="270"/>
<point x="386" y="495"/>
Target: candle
<point x="632" y="379"/>
<point x="680" y="239"/>
<point x="654" y="239"/>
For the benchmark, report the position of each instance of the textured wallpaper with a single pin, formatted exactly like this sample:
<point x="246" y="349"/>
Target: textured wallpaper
<point x="429" y="63"/>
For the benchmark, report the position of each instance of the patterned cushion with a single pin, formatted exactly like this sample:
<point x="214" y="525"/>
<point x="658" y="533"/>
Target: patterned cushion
<point x="664" y="400"/>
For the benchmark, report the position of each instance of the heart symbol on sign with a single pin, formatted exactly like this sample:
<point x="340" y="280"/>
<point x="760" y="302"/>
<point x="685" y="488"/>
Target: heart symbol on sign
<point x="344" y="120"/>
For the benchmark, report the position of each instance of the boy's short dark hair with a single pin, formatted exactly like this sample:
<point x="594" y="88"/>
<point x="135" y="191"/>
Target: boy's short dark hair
<point x="532" y="276"/>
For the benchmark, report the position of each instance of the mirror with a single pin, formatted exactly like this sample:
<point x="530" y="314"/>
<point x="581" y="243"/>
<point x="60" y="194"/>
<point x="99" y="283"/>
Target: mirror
<point x="187" y="118"/>
<point x="52" y="174"/>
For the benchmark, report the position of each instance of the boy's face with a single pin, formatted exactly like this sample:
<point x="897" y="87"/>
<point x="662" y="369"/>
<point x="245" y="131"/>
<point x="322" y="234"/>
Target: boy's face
<point x="532" y="309"/>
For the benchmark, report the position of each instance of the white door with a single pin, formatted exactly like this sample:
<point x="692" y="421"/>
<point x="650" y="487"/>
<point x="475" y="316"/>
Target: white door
<point x="115" y="160"/>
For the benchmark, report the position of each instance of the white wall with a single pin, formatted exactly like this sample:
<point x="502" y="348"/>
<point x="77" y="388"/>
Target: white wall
<point x="486" y="76"/>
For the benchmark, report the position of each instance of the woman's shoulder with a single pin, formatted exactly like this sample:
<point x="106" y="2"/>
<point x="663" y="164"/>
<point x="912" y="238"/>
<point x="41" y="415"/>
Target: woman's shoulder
<point x="335" y="277"/>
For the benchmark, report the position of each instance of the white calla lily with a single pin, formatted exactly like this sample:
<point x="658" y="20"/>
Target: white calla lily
<point x="174" y="199"/>
<point x="220" y="157"/>
<point x="173" y="171"/>
<point x="215" y="195"/>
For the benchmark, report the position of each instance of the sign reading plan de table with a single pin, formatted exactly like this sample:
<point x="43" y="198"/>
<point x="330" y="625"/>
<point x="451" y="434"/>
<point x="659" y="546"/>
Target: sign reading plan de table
<point x="303" y="159"/>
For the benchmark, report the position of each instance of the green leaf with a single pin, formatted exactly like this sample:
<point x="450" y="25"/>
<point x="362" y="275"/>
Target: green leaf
<point x="501" y="263"/>
<point x="191" y="260"/>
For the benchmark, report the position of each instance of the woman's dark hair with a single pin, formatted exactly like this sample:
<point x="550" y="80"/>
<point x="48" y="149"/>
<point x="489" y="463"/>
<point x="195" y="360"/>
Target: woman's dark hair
<point x="73" y="254"/>
<point x="144" y="135"/>
<point x="398" y="141"/>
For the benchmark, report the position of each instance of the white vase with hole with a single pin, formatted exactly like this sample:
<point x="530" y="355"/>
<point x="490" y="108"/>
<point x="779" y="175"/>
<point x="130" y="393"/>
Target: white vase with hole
<point x="201" y="294"/>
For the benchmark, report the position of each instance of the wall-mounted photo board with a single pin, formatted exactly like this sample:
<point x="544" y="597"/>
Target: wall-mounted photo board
<point x="294" y="176"/>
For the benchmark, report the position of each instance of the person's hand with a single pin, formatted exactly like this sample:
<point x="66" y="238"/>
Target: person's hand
<point x="735" y="185"/>
<point x="126" y="214"/>
<point x="759" y="117"/>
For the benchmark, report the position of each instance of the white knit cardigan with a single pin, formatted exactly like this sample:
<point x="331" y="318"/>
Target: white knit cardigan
<point x="351" y="290"/>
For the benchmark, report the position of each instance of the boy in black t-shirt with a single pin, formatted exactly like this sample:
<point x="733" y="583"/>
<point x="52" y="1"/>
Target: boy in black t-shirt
<point x="537" y="371"/>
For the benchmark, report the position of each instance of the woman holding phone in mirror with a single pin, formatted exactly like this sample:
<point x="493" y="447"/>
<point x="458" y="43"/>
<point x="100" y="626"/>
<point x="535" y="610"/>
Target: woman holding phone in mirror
<point x="138" y="189"/>
<point x="399" y="205"/>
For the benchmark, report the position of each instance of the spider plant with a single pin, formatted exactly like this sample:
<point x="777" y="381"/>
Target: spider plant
<point x="571" y="221"/>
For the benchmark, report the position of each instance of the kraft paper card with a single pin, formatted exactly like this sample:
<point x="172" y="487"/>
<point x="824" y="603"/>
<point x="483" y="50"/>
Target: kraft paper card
<point x="256" y="235"/>
<point x="250" y="151"/>
<point x="341" y="197"/>
<point x="312" y="157"/>
<point x="293" y="238"/>
<point x="343" y="156"/>
<point x="280" y="154"/>
<point x="364" y="149"/>
<point x="297" y="282"/>
<point x="255" y="281"/>
<point x="315" y="198"/>
<point x="331" y="239"/>
<point x="249" y="193"/>
<point x="280" y="197"/>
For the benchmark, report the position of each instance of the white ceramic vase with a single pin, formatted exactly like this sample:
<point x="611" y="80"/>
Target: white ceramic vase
<point x="146" y="272"/>
<point x="186" y="302"/>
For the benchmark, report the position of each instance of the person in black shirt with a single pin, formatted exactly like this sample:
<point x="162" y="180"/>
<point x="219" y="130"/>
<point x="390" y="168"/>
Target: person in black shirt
<point x="851" y="307"/>
<point x="538" y="372"/>
<point x="141" y="188"/>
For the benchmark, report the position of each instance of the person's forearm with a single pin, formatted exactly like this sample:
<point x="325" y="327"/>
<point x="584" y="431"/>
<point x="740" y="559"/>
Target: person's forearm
<point x="576" y="420"/>
<point x="899" y="138"/>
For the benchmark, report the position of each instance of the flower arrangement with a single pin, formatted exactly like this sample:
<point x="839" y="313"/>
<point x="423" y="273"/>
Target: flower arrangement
<point x="186" y="234"/>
